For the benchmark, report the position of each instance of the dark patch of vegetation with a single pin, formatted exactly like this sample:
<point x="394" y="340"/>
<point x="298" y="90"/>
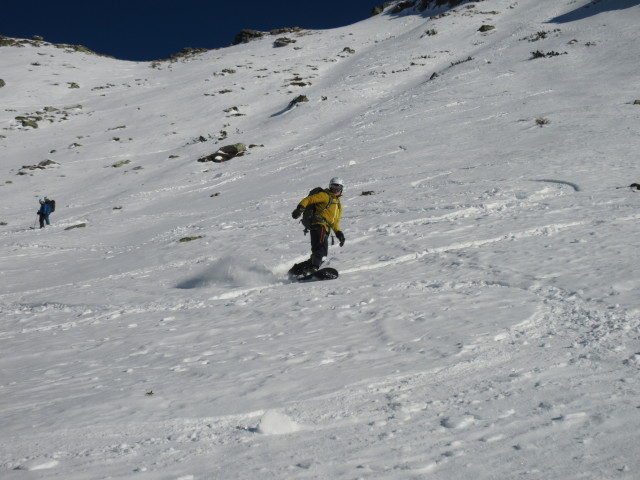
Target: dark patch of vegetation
<point x="539" y="54"/>
<point x="541" y="35"/>
<point x="79" y="225"/>
<point x="189" y="239"/>
<point x="468" y="59"/>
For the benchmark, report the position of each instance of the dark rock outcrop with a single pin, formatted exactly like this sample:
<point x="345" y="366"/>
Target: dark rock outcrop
<point x="225" y="153"/>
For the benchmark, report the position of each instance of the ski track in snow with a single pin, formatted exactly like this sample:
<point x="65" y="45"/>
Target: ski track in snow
<point x="483" y="410"/>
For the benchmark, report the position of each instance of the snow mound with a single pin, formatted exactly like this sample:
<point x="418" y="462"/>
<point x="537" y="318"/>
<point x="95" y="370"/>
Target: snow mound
<point x="275" y="423"/>
<point x="38" y="464"/>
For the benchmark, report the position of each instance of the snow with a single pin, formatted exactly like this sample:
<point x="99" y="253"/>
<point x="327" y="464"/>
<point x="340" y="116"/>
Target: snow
<point x="485" y="323"/>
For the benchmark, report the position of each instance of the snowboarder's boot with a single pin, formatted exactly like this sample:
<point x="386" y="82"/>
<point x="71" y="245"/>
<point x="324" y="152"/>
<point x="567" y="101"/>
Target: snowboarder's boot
<point x="302" y="269"/>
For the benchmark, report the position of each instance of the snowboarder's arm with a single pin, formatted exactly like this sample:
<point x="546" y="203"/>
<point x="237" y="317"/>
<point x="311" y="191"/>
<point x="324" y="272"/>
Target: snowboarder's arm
<point x="321" y="197"/>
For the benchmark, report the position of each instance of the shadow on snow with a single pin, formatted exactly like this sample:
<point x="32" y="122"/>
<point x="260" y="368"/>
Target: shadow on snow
<point x="594" y="8"/>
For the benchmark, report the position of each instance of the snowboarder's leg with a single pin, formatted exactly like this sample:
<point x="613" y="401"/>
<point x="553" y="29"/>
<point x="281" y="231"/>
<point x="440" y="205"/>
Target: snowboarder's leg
<point x="319" y="250"/>
<point x="319" y="244"/>
<point x="41" y="218"/>
<point x="46" y="218"/>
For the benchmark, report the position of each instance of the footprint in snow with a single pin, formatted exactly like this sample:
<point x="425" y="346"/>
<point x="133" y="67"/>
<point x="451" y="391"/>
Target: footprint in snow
<point x="458" y="422"/>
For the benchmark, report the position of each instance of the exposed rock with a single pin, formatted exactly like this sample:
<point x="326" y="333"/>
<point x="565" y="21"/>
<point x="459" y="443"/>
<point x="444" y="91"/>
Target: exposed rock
<point x="246" y="35"/>
<point x="424" y="4"/>
<point x="298" y="99"/>
<point x="225" y="153"/>
<point x="186" y="53"/>
<point x="283" y="42"/>
<point x="486" y="28"/>
<point x="380" y="9"/>
<point x="421" y="5"/>
<point x="38" y="41"/>
<point x="46" y="163"/>
<point x="40" y="166"/>
<point x="281" y="31"/>
<point x="402" y="6"/>
<point x="2" y="83"/>
<point x="29" y="121"/>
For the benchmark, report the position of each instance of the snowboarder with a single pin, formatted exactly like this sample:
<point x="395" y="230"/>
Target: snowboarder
<point x="45" y="210"/>
<point x="326" y="213"/>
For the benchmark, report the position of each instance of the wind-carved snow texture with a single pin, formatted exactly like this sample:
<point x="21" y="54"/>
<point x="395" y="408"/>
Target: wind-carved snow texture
<point x="485" y="323"/>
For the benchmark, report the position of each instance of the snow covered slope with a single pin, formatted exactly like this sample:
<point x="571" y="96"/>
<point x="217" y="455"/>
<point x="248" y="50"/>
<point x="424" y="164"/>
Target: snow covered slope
<point x="485" y="324"/>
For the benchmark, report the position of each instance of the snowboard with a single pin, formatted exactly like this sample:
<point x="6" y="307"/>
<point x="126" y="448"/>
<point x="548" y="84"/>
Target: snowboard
<point x="327" y="273"/>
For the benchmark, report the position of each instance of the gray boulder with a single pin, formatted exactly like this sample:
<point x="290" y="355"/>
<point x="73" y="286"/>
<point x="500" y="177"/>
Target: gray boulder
<point x="225" y="153"/>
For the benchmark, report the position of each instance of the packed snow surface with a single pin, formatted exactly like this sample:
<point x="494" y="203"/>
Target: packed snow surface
<point x="485" y="323"/>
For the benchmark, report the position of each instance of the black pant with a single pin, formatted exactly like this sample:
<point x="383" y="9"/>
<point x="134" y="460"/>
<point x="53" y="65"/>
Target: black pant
<point x="319" y="244"/>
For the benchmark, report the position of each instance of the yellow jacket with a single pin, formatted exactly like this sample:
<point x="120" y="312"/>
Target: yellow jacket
<point x="328" y="209"/>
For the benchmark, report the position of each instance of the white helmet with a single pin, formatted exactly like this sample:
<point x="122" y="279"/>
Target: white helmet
<point x="337" y="181"/>
<point x="336" y="185"/>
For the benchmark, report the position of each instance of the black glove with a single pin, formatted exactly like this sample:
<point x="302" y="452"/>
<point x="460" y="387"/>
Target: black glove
<point x="340" y="236"/>
<point x="297" y="212"/>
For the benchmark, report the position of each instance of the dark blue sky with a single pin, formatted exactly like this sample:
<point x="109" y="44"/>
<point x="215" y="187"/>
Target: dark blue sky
<point x="151" y="30"/>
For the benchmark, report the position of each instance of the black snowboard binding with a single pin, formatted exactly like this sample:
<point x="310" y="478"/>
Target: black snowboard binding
<point x="302" y="269"/>
<point x="305" y="271"/>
